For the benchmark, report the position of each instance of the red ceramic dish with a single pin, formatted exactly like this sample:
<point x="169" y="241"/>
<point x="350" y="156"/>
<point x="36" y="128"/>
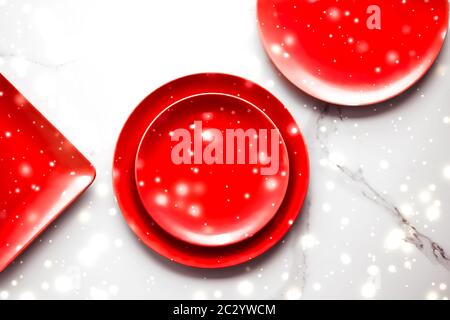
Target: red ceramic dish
<point x="41" y="173"/>
<point x="126" y="186"/>
<point x="353" y="52"/>
<point x="213" y="200"/>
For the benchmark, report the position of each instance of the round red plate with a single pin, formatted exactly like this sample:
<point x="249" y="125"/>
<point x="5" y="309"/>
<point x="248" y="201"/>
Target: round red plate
<point x="189" y="177"/>
<point x="175" y="95"/>
<point x="353" y="52"/>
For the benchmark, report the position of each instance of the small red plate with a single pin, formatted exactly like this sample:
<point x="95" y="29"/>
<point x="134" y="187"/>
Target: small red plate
<point x="353" y="52"/>
<point x="175" y="106"/>
<point x="41" y="173"/>
<point x="212" y="199"/>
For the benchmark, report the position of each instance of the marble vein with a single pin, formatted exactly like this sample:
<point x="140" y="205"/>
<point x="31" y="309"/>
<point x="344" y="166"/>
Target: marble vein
<point x="299" y="266"/>
<point x="424" y="243"/>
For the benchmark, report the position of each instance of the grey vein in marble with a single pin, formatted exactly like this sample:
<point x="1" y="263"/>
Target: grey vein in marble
<point x="424" y="243"/>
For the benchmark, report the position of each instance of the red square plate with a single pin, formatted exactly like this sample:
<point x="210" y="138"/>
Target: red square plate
<point x="41" y="173"/>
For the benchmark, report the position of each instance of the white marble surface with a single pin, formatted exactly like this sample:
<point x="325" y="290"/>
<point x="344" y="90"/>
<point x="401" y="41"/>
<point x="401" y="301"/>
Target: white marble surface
<point x="378" y="212"/>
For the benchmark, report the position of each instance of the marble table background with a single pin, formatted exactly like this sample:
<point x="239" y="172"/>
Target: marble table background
<point x="376" y="221"/>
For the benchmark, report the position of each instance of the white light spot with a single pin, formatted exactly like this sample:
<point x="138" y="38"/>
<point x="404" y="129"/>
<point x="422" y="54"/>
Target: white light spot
<point x="98" y="294"/>
<point x="63" y="284"/>
<point x="27" y="295"/>
<point x="182" y="189"/>
<point x="395" y="239"/>
<point x="89" y="255"/>
<point x="407" y="209"/>
<point x="48" y="264"/>
<point x="425" y="196"/>
<point x="345" y="221"/>
<point x="276" y="49"/>
<point x="330" y="185"/>
<point x="194" y="211"/>
<point x="118" y="243"/>
<point x="392" y="269"/>
<point x="369" y="290"/>
<point x="334" y="14"/>
<point x="26" y="8"/>
<point x="337" y="159"/>
<point x="293" y="294"/>
<point x="433" y="213"/>
<point x="4" y="295"/>
<point x="308" y="241"/>
<point x="384" y="164"/>
<point x="200" y="295"/>
<point x="392" y="57"/>
<point x="373" y="270"/>
<point x="113" y="290"/>
<point x="102" y="190"/>
<point x="207" y="135"/>
<point x="161" y="200"/>
<point x="346" y="259"/>
<point x="326" y="207"/>
<point x="245" y="288"/>
<point x="407" y="265"/>
<point x="447" y="172"/>
<point x="432" y="295"/>
<point x="45" y="286"/>
<point x="25" y="170"/>
<point x="84" y="216"/>
<point x="271" y="184"/>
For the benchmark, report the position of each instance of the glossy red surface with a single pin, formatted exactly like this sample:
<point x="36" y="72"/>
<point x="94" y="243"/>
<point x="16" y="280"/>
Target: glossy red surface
<point x="126" y="186"/>
<point x="206" y="203"/>
<point x="353" y="52"/>
<point x="41" y="173"/>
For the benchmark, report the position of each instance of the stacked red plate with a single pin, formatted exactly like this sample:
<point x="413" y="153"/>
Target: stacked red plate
<point x="41" y="173"/>
<point x="210" y="170"/>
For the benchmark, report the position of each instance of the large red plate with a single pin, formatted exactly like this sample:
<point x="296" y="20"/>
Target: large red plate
<point x="353" y="52"/>
<point x="41" y="173"/>
<point x="142" y="223"/>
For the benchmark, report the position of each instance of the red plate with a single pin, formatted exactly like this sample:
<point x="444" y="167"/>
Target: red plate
<point x="188" y="98"/>
<point x="41" y="173"/>
<point x="203" y="200"/>
<point x="353" y="52"/>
